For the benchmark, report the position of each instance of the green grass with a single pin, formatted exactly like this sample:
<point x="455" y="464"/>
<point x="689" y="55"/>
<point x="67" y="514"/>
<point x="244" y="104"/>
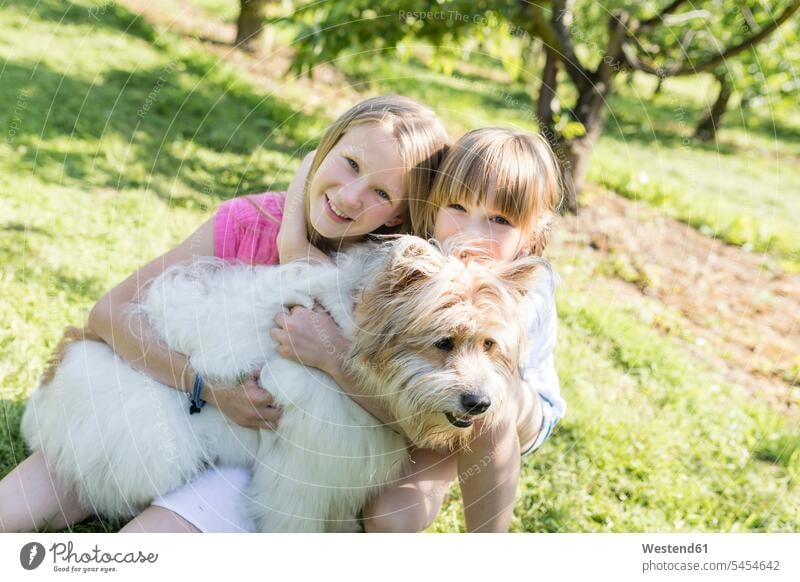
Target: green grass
<point x="125" y="137"/>
<point x="742" y="189"/>
<point x="221" y="9"/>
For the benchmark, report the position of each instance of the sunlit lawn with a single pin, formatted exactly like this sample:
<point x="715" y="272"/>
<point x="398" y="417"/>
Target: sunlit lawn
<point x="125" y="138"/>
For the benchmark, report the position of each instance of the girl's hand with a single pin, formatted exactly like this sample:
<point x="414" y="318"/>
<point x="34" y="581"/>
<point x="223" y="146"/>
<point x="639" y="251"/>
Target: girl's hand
<point x="297" y="188"/>
<point x="246" y="403"/>
<point x="311" y="338"/>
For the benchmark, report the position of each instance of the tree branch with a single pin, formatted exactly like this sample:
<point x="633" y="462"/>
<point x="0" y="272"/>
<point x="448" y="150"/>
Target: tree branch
<point x="658" y="18"/>
<point x="613" y="60"/>
<point x="547" y="91"/>
<point x="554" y="35"/>
<point x="683" y="17"/>
<point x="679" y="69"/>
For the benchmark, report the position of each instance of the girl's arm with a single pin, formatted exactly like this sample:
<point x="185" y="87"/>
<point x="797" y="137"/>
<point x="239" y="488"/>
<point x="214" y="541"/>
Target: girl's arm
<point x="131" y="336"/>
<point x="528" y="414"/>
<point x="540" y="379"/>
<point x="488" y="474"/>
<point x="293" y="242"/>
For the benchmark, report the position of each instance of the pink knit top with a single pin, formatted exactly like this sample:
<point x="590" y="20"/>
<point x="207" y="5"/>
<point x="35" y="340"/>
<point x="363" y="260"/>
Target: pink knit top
<point x="243" y="233"/>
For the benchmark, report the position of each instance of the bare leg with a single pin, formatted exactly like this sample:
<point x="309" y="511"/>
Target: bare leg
<point x="157" y="519"/>
<point x="29" y="500"/>
<point x="413" y="503"/>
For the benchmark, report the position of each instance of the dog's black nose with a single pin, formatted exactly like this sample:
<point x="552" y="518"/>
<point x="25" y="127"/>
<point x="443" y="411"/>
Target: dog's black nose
<point x="475" y="403"/>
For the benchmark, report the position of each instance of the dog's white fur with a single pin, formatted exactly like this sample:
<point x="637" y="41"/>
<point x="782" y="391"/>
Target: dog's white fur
<point x="123" y="439"/>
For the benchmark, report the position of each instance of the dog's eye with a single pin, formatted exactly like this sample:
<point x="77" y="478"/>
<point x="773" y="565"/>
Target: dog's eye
<point x="488" y="345"/>
<point x="445" y="344"/>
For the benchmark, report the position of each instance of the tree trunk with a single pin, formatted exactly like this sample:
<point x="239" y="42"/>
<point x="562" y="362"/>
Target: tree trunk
<point x="577" y="151"/>
<point x="548" y="93"/>
<point x="594" y="87"/>
<point x="573" y="154"/>
<point x="250" y="27"/>
<point x="659" y="86"/>
<point x="546" y="105"/>
<point x="707" y="128"/>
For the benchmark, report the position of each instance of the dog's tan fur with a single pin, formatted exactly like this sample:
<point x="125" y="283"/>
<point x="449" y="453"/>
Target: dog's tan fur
<point x="472" y="301"/>
<point x="71" y="335"/>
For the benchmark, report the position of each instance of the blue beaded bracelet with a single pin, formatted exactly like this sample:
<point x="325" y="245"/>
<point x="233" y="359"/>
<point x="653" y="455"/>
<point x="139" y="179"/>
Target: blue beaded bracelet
<point x="196" y="403"/>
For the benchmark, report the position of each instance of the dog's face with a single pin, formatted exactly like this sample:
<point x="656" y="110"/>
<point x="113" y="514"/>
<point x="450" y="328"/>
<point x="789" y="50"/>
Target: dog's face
<point x="439" y="339"/>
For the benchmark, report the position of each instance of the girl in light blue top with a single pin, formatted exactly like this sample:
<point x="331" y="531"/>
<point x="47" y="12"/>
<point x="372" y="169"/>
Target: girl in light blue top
<point x="497" y="189"/>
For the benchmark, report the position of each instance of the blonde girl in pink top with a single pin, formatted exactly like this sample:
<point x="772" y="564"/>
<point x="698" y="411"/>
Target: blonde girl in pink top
<point x="496" y="189"/>
<point x="367" y="165"/>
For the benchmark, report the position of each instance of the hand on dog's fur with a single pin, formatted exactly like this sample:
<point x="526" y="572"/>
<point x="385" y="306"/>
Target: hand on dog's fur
<point x="247" y="404"/>
<point x="311" y="338"/>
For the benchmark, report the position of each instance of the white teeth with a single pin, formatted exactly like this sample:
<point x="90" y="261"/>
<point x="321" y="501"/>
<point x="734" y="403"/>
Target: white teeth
<point x="336" y="211"/>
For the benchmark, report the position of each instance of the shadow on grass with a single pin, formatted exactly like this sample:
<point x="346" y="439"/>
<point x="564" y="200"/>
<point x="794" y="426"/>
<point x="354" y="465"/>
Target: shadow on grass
<point x="151" y="115"/>
<point x="25" y="229"/>
<point x="778" y="451"/>
<point x="141" y="129"/>
<point x="108" y="15"/>
<point x="672" y="124"/>
<point x="78" y="290"/>
<point x="415" y="79"/>
<point x="773" y="129"/>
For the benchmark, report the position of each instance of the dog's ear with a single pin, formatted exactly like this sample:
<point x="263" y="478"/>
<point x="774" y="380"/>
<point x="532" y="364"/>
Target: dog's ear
<point x="413" y="260"/>
<point x="520" y="275"/>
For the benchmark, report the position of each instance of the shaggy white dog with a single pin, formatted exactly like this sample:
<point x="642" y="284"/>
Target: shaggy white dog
<point x="436" y="339"/>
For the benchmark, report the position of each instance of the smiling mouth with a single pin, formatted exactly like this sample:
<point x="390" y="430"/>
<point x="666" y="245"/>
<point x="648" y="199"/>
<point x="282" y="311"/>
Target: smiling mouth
<point x="336" y="212"/>
<point x="458" y="421"/>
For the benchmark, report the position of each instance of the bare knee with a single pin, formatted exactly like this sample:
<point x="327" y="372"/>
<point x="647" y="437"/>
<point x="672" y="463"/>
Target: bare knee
<point x="33" y="499"/>
<point x="5" y="518"/>
<point x="157" y="519"/>
<point x="401" y="510"/>
<point x="403" y="520"/>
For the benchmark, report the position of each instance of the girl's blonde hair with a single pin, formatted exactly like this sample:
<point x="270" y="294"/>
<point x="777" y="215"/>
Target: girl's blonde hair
<point x="421" y="141"/>
<point x="526" y="178"/>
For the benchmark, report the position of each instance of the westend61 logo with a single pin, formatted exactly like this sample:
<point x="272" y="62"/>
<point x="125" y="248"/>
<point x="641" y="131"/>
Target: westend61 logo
<point x="65" y="559"/>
